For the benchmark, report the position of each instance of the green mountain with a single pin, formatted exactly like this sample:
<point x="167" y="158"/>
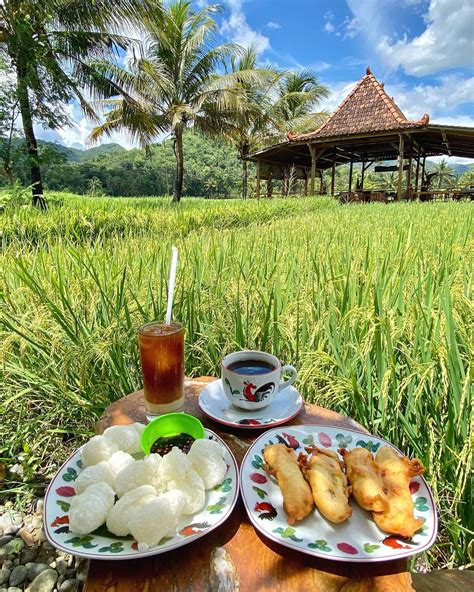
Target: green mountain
<point x="77" y="155"/>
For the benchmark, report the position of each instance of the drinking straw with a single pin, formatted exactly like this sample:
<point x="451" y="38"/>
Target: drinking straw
<point x="173" y="267"/>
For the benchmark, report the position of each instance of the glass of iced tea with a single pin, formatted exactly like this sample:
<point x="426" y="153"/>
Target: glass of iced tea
<point x="162" y="359"/>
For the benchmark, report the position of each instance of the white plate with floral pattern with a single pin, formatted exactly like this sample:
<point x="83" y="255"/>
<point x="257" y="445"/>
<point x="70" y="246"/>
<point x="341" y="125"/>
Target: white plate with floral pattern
<point x="358" y="539"/>
<point x="214" y="403"/>
<point x="102" y="544"/>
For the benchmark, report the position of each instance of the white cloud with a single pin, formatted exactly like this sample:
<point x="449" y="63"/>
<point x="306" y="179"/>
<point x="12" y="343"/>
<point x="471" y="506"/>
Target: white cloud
<point x="439" y="100"/>
<point x="447" y="41"/>
<point x="75" y="136"/>
<point x="273" y="25"/>
<point x="329" y="27"/>
<point x="329" y="18"/>
<point x="238" y="29"/>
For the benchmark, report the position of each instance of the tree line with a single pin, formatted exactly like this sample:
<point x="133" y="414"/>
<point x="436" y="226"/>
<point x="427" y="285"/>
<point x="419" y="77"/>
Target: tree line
<point x="168" y="76"/>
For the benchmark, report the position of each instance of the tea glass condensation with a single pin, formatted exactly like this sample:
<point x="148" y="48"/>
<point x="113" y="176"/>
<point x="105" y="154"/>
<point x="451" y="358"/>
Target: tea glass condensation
<point x="162" y="360"/>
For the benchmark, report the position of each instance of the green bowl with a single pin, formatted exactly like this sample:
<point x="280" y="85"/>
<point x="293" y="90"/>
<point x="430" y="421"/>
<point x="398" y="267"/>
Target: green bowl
<point x="170" y="424"/>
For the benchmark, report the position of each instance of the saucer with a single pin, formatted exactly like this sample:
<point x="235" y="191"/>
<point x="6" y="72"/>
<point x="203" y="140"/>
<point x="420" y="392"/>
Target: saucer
<point x="214" y="403"/>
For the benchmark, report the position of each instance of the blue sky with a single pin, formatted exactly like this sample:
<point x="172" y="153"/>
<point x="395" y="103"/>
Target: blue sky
<point x="422" y="49"/>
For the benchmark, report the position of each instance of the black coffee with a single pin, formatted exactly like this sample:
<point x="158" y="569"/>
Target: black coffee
<point x="251" y="367"/>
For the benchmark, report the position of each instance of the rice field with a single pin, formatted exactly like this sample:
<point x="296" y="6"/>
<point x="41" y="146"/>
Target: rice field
<point x="372" y="303"/>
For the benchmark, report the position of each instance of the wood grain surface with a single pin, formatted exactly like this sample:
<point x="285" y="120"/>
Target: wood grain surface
<point x="235" y="557"/>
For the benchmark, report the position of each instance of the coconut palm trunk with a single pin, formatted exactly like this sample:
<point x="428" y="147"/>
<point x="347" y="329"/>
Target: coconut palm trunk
<point x="179" y="154"/>
<point x="245" y="179"/>
<point x="31" y="144"/>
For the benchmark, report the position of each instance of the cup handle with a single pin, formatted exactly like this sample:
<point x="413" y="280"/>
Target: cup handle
<point x="294" y="374"/>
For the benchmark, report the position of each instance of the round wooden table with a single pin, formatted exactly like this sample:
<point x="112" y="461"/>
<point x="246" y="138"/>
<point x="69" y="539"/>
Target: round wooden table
<point x="237" y="557"/>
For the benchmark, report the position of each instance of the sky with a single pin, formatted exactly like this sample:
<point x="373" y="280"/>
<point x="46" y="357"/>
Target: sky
<point x="422" y="49"/>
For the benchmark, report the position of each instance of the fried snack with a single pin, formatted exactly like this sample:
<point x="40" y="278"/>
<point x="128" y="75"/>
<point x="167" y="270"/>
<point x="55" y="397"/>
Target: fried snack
<point x="396" y="473"/>
<point x="328" y="483"/>
<point x="365" y="478"/>
<point x="281" y="462"/>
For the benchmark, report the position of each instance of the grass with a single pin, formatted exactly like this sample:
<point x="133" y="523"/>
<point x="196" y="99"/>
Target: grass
<point x="373" y="304"/>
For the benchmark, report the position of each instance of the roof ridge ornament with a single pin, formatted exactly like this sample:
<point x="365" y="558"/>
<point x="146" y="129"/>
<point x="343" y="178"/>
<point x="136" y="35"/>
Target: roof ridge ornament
<point x="368" y="71"/>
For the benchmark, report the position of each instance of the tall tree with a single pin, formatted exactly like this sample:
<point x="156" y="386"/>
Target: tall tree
<point x="172" y="84"/>
<point x="51" y="45"/>
<point x="275" y="103"/>
<point x="444" y="173"/>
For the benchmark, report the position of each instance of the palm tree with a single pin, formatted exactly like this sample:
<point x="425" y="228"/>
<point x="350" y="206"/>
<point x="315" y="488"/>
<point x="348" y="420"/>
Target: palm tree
<point x="49" y="45"/>
<point x="251" y="124"/>
<point x="275" y="103"/>
<point x="444" y="173"/>
<point x="298" y="94"/>
<point x="172" y="83"/>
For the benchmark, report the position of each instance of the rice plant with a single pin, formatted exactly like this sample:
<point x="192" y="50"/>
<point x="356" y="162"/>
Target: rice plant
<point x="373" y="304"/>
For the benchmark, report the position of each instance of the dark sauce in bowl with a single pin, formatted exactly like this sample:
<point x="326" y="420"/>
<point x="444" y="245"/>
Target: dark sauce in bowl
<point x="164" y="444"/>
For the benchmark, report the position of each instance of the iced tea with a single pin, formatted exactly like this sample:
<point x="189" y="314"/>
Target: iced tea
<point x="162" y="358"/>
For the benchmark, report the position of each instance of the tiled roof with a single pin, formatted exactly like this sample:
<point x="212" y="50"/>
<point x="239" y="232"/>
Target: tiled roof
<point x="367" y="108"/>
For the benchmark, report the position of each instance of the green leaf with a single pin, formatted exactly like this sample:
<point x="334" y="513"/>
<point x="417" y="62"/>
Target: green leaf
<point x="260" y="492"/>
<point x="370" y="548"/>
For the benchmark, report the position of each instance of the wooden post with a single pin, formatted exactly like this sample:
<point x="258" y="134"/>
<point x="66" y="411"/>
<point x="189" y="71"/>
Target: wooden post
<point x="350" y="173"/>
<point x="321" y="184"/>
<point x="362" y="176"/>
<point x="305" y="182"/>
<point x="417" y="172"/>
<point x="423" y="171"/>
<point x="410" y="160"/>
<point x="333" y="175"/>
<point x="270" y="185"/>
<point x="313" y="169"/>
<point x="400" y="167"/>
<point x="257" y="192"/>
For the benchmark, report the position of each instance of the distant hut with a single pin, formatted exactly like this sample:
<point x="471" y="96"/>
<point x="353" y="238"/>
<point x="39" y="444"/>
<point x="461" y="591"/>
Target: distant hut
<point x="367" y="127"/>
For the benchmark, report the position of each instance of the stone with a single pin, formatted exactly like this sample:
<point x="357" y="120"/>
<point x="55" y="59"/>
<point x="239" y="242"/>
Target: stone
<point x="69" y="586"/>
<point x="82" y="567"/>
<point x="37" y="522"/>
<point x="3" y="554"/>
<point x="11" y="530"/>
<point x="18" y="575"/>
<point x="40" y="504"/>
<point x="44" y="582"/>
<point x="28" y="555"/>
<point x="4" y="540"/>
<point x="14" y="589"/>
<point x="61" y="566"/>
<point x="35" y="569"/>
<point x="9" y="519"/>
<point x="14" y="546"/>
<point x="27" y="536"/>
<point x="4" y="575"/>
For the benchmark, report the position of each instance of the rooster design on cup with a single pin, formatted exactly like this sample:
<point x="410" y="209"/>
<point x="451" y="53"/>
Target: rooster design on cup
<point x="260" y="394"/>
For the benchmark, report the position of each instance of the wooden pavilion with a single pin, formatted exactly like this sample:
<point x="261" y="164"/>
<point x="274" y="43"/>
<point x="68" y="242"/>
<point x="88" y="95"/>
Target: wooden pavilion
<point x="367" y="127"/>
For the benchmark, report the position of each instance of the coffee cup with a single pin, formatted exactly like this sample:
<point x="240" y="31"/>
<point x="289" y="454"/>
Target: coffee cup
<point x="251" y="379"/>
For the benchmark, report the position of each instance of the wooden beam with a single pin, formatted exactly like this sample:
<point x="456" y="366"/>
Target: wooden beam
<point x="257" y="193"/>
<point x="400" y="167"/>
<point x="446" y="143"/>
<point x="333" y="175"/>
<point x="362" y="177"/>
